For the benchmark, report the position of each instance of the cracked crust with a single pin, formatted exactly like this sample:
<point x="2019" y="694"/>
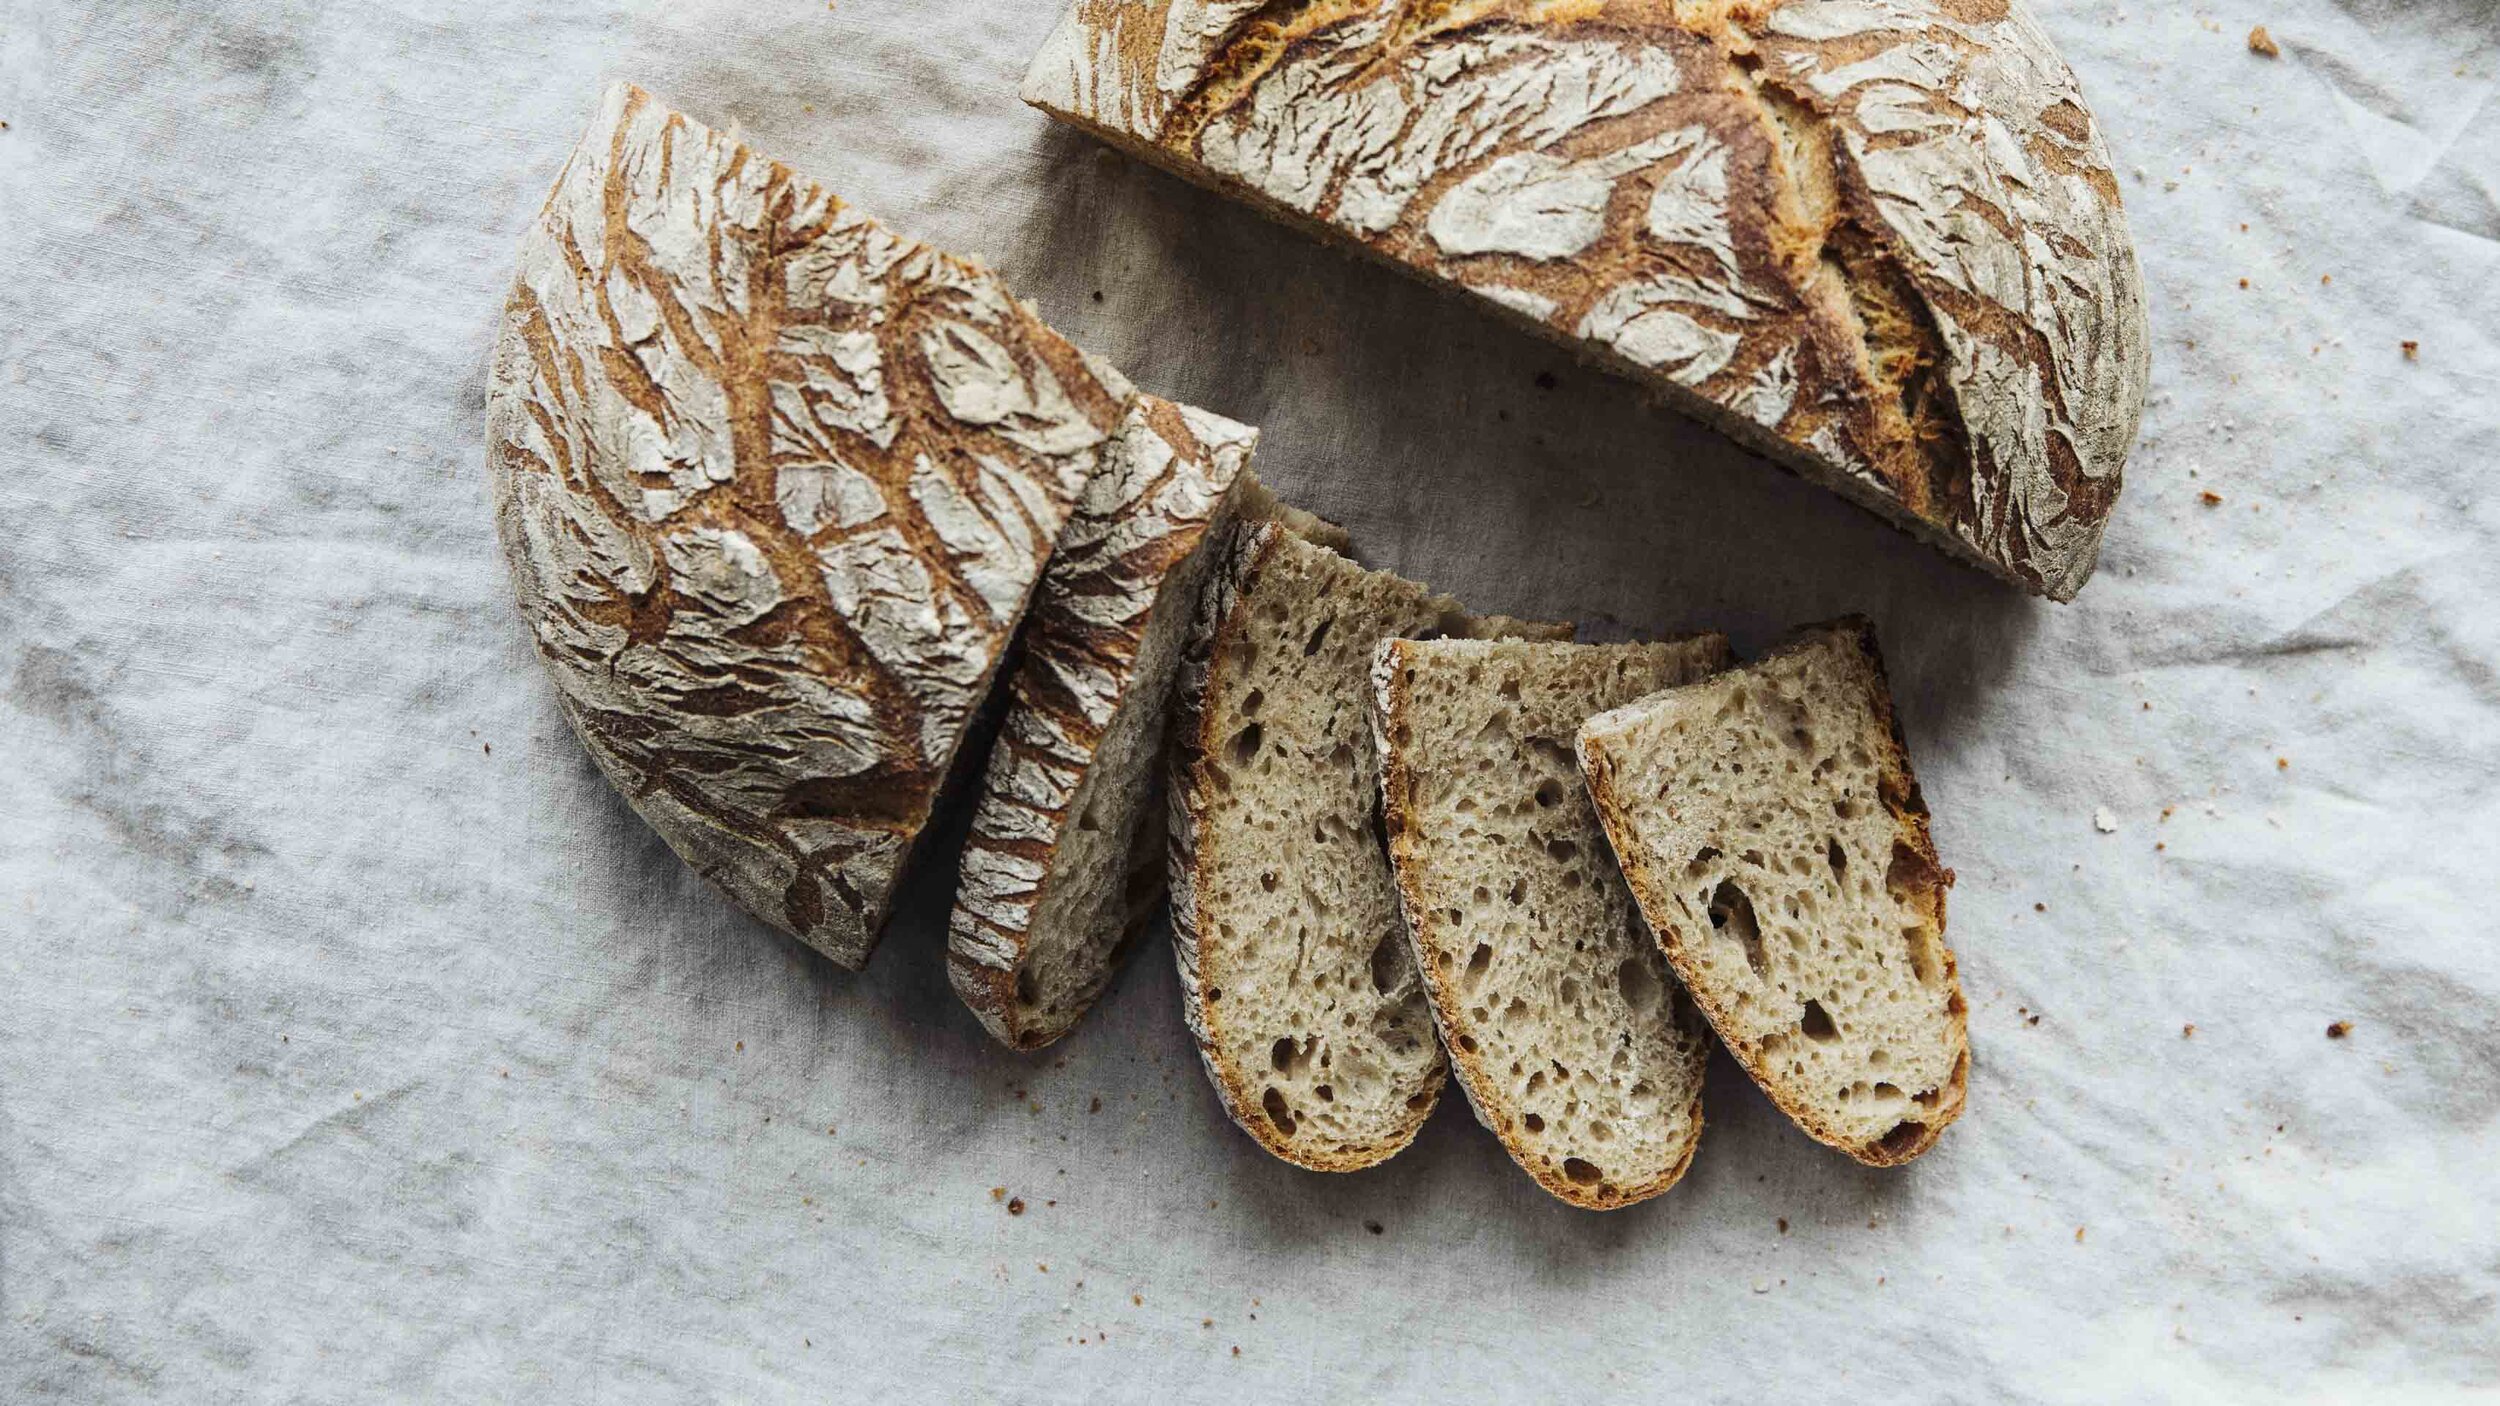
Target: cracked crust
<point x="774" y="486"/>
<point x="1876" y="240"/>
<point x="1064" y="867"/>
<point x="1650" y="836"/>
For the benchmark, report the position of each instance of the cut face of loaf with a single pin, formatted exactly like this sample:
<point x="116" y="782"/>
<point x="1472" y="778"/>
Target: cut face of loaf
<point x="1881" y="243"/>
<point x="1775" y="837"/>
<point x="774" y="485"/>
<point x="1574" y="1044"/>
<point x="1065" y="863"/>
<point x="1295" y="976"/>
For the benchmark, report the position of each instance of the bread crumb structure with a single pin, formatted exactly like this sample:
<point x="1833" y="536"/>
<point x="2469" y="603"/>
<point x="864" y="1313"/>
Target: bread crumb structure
<point x="1771" y="827"/>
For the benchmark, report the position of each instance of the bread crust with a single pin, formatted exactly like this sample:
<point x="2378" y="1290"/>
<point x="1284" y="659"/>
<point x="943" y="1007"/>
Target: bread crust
<point x="774" y="486"/>
<point x="1168" y="488"/>
<point x="1899" y="793"/>
<point x="1883" y="246"/>
<point x="1392" y="700"/>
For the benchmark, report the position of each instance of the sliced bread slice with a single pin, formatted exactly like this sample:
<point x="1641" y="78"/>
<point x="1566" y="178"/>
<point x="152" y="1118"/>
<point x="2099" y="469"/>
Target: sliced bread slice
<point x="1049" y="898"/>
<point x="1296" y="977"/>
<point x="1571" y="1040"/>
<point x="1772" y="830"/>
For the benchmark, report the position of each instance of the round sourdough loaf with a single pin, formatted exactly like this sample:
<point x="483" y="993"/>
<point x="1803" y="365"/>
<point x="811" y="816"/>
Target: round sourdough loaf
<point x="1878" y="240"/>
<point x="775" y="486"/>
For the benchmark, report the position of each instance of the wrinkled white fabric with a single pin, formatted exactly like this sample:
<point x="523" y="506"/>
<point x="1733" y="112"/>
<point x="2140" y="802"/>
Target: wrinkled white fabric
<point x="344" y="1059"/>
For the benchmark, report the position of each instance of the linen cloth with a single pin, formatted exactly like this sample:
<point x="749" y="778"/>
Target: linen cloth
<point x="358" y="1044"/>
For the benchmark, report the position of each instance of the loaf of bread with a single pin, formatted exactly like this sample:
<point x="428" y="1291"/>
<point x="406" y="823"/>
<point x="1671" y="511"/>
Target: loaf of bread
<point x="1775" y="837"/>
<point x="1573" y="1043"/>
<point x="1065" y="861"/>
<point x="1296" y="976"/>
<point x="775" y="486"/>
<point x="1878" y="242"/>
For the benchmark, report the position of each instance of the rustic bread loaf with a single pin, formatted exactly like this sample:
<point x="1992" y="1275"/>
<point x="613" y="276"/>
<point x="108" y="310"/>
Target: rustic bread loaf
<point x="1295" y="976"/>
<point x="1572" y="1042"/>
<point x="1881" y="243"/>
<point x="775" y="486"/>
<point x="1773" y="832"/>
<point x="1065" y="861"/>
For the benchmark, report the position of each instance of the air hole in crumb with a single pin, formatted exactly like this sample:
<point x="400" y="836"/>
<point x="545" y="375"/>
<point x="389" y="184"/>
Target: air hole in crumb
<point x="1533" y="1123"/>
<point x="1509" y="689"/>
<point x="1549" y="793"/>
<point x="1641" y="987"/>
<point x="1731" y="913"/>
<point x="1922" y="945"/>
<point x="1342" y="758"/>
<point x="1479" y="961"/>
<point x="1564" y="850"/>
<point x="1467" y="1043"/>
<point x="1579" y="1172"/>
<point x="1817" y="1023"/>
<point x="1420" y="1099"/>
<point x="1252" y="701"/>
<point x="1888" y="1093"/>
<point x="1268" y="881"/>
<point x="1244" y="748"/>
<point x="1325" y="1093"/>
<point x="1277" y="1113"/>
<point x="1902" y="1138"/>
<point x="1284" y="1054"/>
<point x="1318" y="637"/>
<point x="1026" y="992"/>
<point x="1701" y="860"/>
<point x="1385" y="963"/>
<point x="1833" y="856"/>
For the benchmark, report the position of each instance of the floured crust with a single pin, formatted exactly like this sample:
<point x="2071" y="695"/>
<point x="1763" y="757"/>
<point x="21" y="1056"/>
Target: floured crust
<point x="1915" y="876"/>
<point x="1127" y="566"/>
<point x="774" y="485"/>
<point x="1880" y="242"/>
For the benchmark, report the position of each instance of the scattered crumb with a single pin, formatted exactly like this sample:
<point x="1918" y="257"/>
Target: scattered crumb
<point x="1137" y="1299"/>
<point x="2325" y="278"/>
<point x="1545" y="379"/>
<point x="2039" y="908"/>
<point x="1015" y="1206"/>
<point x="2104" y="822"/>
<point x="2339" y="1030"/>
<point x="1095" y="1106"/>
<point x="1097" y="295"/>
<point x="2243" y="283"/>
<point x="1206" y="1322"/>
<point x="1375" y="1227"/>
<point x="490" y="748"/>
<point x="2078" y="1235"/>
<point x="742" y="1047"/>
<point x="2188" y="1031"/>
<point x="2169" y="811"/>
<point x="2210" y="498"/>
<point x="1783" y="1225"/>
<point x="2035" y="1020"/>
<point x="1236" y="1349"/>
<point x="2413" y="351"/>
<point x="2282" y="764"/>
<point x="2260" y="42"/>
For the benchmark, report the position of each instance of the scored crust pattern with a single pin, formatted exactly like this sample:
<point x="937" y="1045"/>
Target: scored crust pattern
<point x="1164" y="485"/>
<point x="775" y="485"/>
<point x="1877" y="239"/>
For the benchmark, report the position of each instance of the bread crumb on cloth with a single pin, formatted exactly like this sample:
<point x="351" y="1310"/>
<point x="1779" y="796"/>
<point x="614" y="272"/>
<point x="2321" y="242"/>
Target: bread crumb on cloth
<point x="2260" y="42"/>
